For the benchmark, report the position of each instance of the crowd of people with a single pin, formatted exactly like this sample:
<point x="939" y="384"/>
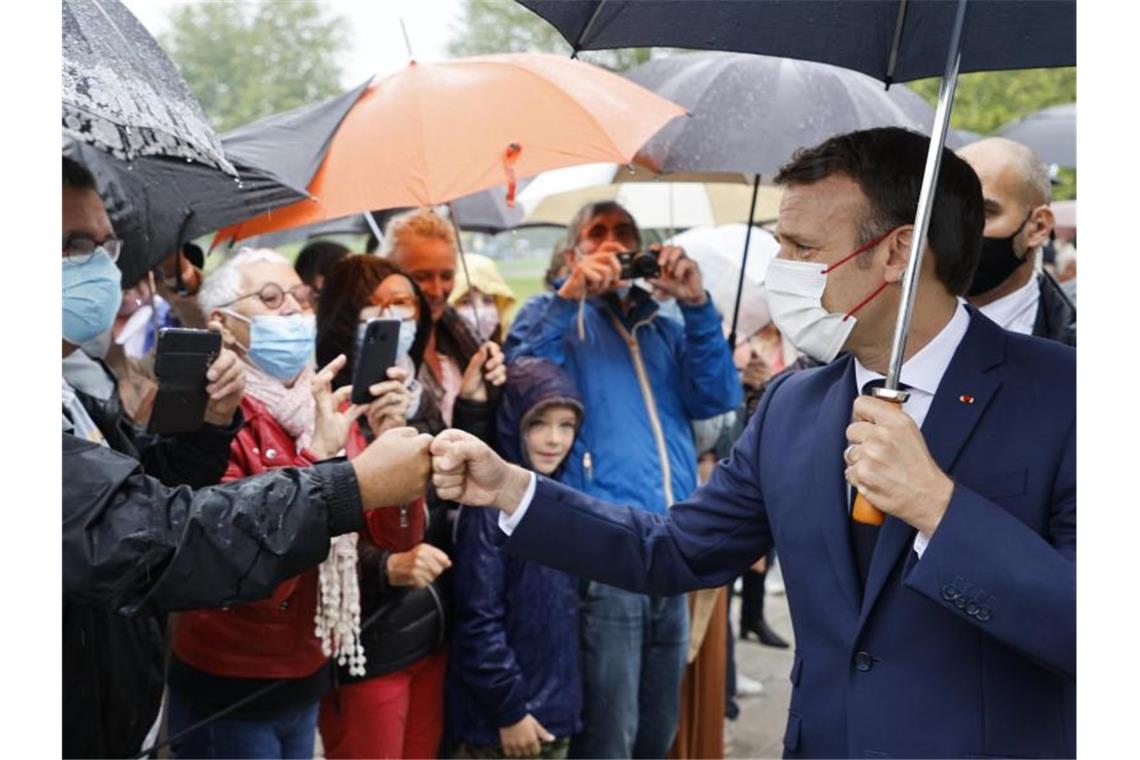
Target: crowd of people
<point x="305" y="565"/>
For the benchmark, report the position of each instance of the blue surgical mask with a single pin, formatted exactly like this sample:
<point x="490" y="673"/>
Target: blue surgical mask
<point x="404" y="341"/>
<point x="280" y="346"/>
<point x="92" y="292"/>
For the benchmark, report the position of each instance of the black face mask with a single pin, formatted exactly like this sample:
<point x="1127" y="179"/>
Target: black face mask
<point x="998" y="262"/>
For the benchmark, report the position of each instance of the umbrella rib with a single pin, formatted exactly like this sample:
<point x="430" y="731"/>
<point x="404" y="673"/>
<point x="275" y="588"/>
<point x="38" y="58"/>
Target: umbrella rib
<point x="587" y="28"/>
<point x="895" y="44"/>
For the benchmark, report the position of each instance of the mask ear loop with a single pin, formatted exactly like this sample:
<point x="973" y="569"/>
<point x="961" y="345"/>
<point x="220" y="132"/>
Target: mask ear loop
<point x="865" y="247"/>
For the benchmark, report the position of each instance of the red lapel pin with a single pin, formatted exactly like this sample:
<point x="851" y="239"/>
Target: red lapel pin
<point x="965" y="399"/>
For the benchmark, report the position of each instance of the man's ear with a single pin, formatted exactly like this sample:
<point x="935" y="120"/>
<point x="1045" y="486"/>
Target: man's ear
<point x="898" y="253"/>
<point x="1038" y="227"/>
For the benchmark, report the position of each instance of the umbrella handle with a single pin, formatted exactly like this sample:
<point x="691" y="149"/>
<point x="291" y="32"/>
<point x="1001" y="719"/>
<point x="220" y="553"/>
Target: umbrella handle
<point x="862" y="510"/>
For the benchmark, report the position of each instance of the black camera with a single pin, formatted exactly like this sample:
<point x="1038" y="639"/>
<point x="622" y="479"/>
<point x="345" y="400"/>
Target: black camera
<point x="636" y="264"/>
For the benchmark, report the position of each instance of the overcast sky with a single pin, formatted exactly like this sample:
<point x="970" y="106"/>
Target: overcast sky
<point x="374" y="26"/>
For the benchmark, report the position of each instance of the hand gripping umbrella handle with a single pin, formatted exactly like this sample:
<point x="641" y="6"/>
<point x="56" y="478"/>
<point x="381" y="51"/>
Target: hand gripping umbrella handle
<point x="862" y="510"/>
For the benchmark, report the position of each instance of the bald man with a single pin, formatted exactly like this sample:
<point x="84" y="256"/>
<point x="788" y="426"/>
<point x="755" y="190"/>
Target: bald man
<point x="1007" y="287"/>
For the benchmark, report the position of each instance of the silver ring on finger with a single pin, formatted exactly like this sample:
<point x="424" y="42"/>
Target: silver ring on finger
<point x="847" y="454"/>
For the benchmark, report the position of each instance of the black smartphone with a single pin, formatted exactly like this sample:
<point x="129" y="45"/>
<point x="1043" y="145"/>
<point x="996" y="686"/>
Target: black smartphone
<point x="180" y="364"/>
<point x="375" y="355"/>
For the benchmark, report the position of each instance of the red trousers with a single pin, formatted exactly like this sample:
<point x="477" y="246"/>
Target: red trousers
<point x="399" y="715"/>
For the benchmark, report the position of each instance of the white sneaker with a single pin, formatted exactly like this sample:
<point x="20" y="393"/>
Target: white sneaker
<point x="748" y="687"/>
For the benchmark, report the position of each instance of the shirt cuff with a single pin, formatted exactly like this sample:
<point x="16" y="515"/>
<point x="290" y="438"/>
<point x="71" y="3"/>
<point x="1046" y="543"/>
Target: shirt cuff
<point x="920" y="542"/>
<point x="508" y="523"/>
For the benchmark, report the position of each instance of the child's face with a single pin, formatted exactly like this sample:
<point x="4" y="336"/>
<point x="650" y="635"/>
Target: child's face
<point x="549" y="436"/>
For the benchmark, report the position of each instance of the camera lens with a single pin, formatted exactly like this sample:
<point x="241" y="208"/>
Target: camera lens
<point x="645" y="265"/>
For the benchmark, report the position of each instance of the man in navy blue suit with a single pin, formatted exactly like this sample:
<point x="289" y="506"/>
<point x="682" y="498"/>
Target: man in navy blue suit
<point x="951" y="629"/>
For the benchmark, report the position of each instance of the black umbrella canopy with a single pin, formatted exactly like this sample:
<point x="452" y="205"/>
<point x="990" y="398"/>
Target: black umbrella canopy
<point x="123" y="94"/>
<point x="1052" y="132"/>
<point x="158" y="203"/>
<point x="750" y="113"/>
<point x="893" y="41"/>
<point x="292" y="144"/>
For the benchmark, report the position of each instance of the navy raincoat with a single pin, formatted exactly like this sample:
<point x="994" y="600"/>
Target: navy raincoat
<point x="515" y="648"/>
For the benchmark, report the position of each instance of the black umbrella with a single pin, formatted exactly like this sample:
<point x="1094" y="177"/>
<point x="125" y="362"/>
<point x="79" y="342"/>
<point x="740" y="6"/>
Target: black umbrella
<point x="124" y="95"/>
<point x="892" y="41"/>
<point x="1052" y="132"/>
<point x="749" y="113"/>
<point x="157" y="203"/>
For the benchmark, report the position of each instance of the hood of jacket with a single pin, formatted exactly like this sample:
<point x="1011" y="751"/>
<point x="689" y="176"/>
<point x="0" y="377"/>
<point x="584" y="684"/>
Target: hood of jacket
<point x="532" y="384"/>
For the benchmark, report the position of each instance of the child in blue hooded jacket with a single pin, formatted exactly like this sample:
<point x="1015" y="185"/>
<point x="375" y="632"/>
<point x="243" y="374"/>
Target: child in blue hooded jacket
<point x="513" y="682"/>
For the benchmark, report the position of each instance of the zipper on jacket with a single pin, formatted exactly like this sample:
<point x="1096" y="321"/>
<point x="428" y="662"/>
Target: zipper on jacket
<point x="403" y="515"/>
<point x="650" y="405"/>
<point x="588" y="466"/>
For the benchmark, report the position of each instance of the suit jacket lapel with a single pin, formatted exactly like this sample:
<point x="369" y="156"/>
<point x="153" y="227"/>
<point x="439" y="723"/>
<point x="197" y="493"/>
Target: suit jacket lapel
<point x="962" y="397"/>
<point x="830" y="488"/>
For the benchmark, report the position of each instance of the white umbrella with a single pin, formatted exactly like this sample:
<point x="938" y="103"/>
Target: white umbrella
<point x="717" y="250"/>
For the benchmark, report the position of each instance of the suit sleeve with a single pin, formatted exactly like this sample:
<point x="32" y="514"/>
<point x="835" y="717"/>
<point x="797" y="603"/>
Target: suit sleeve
<point x="486" y="661"/>
<point x="136" y="546"/>
<point x="539" y="329"/>
<point x="704" y="541"/>
<point x="708" y="377"/>
<point x="999" y="574"/>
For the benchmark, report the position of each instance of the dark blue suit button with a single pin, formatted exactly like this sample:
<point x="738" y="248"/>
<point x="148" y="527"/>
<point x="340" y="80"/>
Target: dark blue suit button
<point x="949" y="593"/>
<point x="972" y="608"/>
<point x="961" y="602"/>
<point x="863" y="662"/>
<point x="983" y="614"/>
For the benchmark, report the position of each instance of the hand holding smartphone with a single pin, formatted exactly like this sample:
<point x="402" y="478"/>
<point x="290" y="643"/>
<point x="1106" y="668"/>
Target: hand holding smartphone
<point x="180" y="364"/>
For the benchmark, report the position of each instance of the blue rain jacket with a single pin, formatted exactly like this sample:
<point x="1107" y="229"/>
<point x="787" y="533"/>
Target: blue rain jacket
<point x="626" y="367"/>
<point x="515" y="646"/>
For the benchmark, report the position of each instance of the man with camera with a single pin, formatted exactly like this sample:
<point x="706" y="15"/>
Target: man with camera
<point x="643" y="378"/>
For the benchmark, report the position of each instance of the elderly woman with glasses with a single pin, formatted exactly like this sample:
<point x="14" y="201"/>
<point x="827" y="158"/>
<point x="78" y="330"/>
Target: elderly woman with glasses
<point x="292" y="417"/>
<point x="396" y="708"/>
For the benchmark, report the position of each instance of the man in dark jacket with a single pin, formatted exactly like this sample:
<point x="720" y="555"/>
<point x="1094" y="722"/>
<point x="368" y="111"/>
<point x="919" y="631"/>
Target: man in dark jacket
<point x="138" y="541"/>
<point x="1007" y="287"/>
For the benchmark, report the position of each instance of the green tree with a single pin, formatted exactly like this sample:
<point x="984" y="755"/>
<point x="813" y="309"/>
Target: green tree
<point x="244" y="61"/>
<point x="987" y="100"/>
<point x="504" y="26"/>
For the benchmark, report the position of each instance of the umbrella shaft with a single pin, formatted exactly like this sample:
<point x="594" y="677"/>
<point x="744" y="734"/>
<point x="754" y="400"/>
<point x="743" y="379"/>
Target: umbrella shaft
<point x="926" y="197"/>
<point x="744" y="261"/>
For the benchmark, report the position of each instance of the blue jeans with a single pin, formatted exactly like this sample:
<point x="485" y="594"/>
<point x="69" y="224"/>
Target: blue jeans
<point x="287" y="736"/>
<point x="633" y="658"/>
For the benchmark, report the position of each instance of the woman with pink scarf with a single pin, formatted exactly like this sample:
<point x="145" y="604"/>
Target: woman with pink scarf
<point x="292" y="417"/>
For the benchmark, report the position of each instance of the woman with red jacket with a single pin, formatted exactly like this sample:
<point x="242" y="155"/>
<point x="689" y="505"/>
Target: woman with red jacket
<point x="395" y="709"/>
<point x="291" y="418"/>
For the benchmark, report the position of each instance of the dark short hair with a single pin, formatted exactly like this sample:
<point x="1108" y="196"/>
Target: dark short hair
<point x="318" y="258"/>
<point x="585" y="214"/>
<point x="887" y="163"/>
<point x="348" y="288"/>
<point x="76" y="175"/>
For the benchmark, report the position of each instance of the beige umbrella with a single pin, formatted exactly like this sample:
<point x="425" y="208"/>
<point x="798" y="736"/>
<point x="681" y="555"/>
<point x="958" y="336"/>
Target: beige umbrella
<point x="664" y="205"/>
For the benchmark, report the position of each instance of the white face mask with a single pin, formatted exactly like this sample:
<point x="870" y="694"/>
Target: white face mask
<point x="482" y="319"/>
<point x="795" y="293"/>
<point x="795" y="298"/>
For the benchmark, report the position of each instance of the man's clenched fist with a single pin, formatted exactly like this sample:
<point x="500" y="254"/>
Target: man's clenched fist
<point x="466" y="470"/>
<point x="394" y="469"/>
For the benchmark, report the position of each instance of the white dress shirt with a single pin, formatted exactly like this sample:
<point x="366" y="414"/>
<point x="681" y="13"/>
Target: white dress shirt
<point x="922" y="372"/>
<point x="1016" y="312"/>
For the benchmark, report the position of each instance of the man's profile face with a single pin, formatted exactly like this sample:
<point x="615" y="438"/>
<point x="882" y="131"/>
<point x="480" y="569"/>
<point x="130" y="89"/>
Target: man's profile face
<point x="85" y="215"/>
<point x="611" y="232"/>
<point x="819" y="223"/>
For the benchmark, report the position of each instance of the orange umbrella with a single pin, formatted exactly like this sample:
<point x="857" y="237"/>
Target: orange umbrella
<point x="434" y="132"/>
